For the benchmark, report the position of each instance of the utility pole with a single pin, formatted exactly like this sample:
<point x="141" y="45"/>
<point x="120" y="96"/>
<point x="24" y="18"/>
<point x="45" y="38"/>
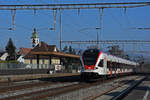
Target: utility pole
<point x="97" y="37"/>
<point x="60" y="30"/>
<point x="134" y="47"/>
<point x="101" y="20"/>
<point x="97" y="40"/>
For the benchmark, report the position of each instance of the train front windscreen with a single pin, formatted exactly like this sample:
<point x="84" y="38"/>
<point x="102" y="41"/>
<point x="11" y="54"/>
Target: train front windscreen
<point x="90" y="57"/>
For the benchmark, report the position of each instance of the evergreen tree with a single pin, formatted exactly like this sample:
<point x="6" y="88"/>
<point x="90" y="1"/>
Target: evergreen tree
<point x="11" y="50"/>
<point x="79" y="52"/>
<point x="74" y="51"/>
<point x="65" y="49"/>
<point x="70" y="49"/>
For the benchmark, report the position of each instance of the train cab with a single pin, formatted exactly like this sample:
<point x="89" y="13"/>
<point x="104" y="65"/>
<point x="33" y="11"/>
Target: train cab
<point x="92" y="61"/>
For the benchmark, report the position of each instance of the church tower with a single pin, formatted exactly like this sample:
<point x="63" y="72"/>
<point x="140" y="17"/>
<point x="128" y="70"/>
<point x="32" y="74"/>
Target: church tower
<point x="34" y="39"/>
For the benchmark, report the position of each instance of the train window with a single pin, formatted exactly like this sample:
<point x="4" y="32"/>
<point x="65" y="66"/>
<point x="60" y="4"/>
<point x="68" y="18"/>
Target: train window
<point x="113" y="65"/>
<point x="118" y="65"/>
<point x="108" y="64"/>
<point x="101" y="63"/>
<point x="90" y="56"/>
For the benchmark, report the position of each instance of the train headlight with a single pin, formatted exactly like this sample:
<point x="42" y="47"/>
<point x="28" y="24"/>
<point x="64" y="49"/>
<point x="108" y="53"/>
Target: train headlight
<point x="96" y="68"/>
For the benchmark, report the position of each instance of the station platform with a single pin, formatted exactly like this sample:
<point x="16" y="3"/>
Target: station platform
<point x="13" y="78"/>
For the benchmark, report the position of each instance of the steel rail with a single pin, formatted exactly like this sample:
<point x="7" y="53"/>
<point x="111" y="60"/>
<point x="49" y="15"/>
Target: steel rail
<point x="23" y="86"/>
<point x="122" y="94"/>
<point x="74" y="6"/>
<point x="52" y="92"/>
<point x="128" y="90"/>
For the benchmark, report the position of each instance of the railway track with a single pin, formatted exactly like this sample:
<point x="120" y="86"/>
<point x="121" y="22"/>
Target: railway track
<point x="20" y="91"/>
<point x="123" y="89"/>
<point x="23" y="85"/>
<point x="92" y="90"/>
<point x="50" y="91"/>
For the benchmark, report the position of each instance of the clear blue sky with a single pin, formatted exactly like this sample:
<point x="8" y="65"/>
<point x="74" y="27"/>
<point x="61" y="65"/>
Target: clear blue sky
<point x="116" y="25"/>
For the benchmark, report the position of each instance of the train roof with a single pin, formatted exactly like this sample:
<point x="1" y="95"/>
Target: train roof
<point x="118" y="59"/>
<point x="115" y="58"/>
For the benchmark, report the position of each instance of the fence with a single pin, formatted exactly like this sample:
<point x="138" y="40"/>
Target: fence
<point x="13" y="68"/>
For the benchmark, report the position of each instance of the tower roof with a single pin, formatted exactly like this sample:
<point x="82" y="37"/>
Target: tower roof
<point x="34" y="34"/>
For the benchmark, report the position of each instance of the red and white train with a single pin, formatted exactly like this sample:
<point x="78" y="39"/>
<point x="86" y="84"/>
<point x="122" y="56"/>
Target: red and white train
<point x="97" y="63"/>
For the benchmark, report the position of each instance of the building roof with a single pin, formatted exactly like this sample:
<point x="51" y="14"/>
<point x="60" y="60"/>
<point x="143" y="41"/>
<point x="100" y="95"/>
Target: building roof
<point x="24" y="51"/>
<point x="44" y="49"/>
<point x="60" y="54"/>
<point x="34" y="34"/>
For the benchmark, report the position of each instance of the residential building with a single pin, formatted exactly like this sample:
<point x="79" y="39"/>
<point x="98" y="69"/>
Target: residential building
<point x="3" y="56"/>
<point x="22" y="52"/>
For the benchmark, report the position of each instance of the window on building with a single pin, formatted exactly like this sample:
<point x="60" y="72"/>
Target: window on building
<point x="31" y="61"/>
<point x="43" y="61"/>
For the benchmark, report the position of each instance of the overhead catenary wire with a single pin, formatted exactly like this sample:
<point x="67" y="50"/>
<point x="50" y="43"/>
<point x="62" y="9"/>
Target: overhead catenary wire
<point x="129" y="22"/>
<point x="76" y="24"/>
<point x="116" y="20"/>
<point x="78" y="12"/>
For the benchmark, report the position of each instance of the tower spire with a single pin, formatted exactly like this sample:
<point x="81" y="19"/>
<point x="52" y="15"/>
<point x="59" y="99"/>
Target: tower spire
<point x="34" y="38"/>
<point x="34" y="30"/>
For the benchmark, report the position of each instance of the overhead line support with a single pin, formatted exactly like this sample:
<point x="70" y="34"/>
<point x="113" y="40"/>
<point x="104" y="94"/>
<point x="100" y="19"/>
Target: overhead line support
<point x="13" y="13"/>
<point x="108" y="42"/>
<point x="74" y="6"/>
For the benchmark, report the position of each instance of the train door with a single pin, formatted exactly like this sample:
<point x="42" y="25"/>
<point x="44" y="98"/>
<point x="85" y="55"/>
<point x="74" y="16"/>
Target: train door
<point x="105" y="65"/>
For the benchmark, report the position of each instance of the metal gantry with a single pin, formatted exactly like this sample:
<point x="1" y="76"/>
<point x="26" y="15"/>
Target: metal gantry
<point x="109" y="42"/>
<point x="60" y="7"/>
<point x="74" y="6"/>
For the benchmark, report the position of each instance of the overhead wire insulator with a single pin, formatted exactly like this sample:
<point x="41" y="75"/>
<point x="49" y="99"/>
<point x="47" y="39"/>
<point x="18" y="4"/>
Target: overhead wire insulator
<point x="34" y="12"/>
<point x="101" y="17"/>
<point x="13" y="13"/>
<point x="78" y="12"/>
<point x="125" y="11"/>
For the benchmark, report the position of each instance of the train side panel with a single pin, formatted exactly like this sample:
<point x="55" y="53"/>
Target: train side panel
<point x="97" y="63"/>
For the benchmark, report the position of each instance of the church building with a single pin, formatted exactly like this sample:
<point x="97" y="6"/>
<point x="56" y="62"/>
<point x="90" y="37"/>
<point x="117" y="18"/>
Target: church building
<point x="34" y="39"/>
<point x="41" y="53"/>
